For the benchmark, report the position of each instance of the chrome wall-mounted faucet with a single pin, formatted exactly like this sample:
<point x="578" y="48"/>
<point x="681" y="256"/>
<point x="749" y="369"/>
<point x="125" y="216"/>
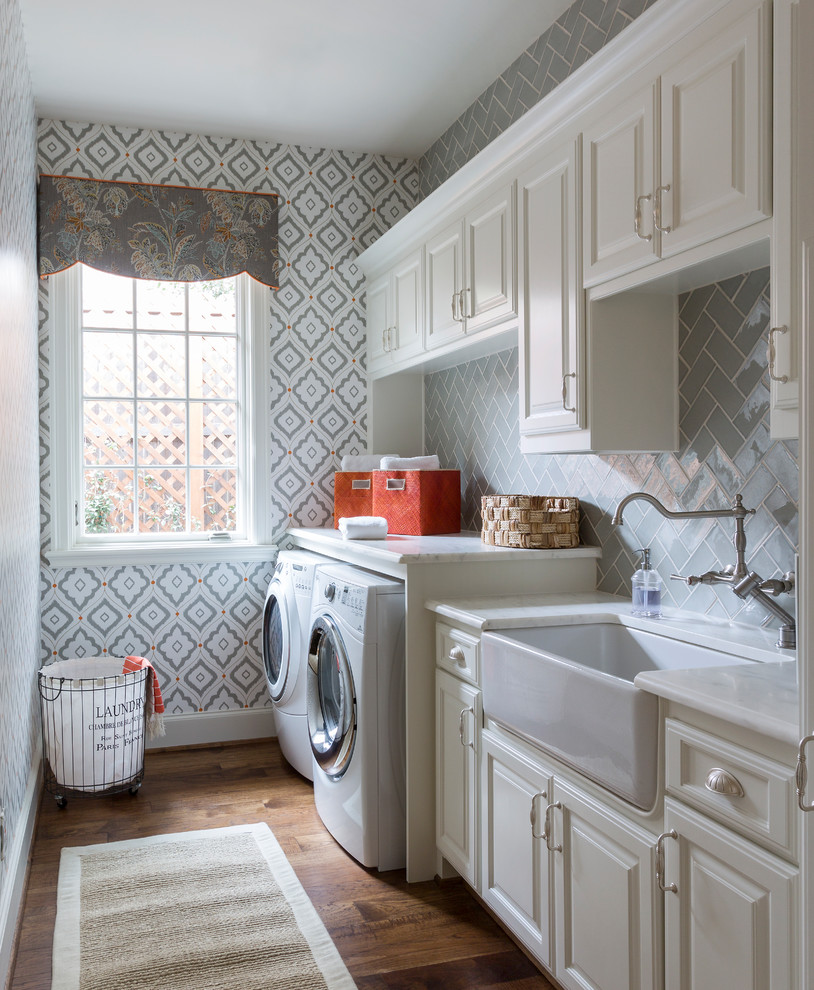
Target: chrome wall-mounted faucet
<point x="745" y="583"/>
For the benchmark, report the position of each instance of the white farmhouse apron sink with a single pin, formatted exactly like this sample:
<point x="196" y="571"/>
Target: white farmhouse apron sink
<point x="569" y="689"/>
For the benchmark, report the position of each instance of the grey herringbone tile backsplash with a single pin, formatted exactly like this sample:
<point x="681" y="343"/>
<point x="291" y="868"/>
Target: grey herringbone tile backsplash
<point x="580" y="32"/>
<point x="472" y="418"/>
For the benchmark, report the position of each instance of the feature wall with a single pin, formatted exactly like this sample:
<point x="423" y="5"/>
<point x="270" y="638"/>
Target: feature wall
<point x="201" y="623"/>
<point x="19" y="526"/>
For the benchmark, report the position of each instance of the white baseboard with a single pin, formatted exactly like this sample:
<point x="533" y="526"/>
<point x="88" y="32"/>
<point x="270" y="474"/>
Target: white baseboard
<point x="11" y="895"/>
<point x="215" y="727"/>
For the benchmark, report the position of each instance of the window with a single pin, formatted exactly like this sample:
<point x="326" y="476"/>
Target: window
<point x="157" y="402"/>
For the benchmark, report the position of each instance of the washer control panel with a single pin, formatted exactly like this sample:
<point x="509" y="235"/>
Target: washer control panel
<point x="348" y="600"/>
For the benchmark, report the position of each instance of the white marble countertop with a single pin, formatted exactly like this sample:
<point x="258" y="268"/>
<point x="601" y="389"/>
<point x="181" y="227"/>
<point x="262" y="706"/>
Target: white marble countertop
<point x="759" y="694"/>
<point x="452" y="548"/>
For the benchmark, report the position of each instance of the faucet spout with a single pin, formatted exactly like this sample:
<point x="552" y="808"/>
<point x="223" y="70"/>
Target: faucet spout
<point x="737" y="511"/>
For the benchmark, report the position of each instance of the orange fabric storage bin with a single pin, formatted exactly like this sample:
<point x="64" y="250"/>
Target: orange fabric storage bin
<point x="418" y="503"/>
<point x="353" y="494"/>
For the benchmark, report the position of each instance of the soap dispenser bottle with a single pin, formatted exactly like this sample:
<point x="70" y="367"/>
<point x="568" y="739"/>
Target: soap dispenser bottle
<point x="647" y="587"/>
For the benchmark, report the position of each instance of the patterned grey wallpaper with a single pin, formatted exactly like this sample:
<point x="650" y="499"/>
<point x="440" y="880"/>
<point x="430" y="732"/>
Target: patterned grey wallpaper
<point x="19" y="527"/>
<point x="472" y="419"/>
<point x="580" y="32"/>
<point x="201" y="623"/>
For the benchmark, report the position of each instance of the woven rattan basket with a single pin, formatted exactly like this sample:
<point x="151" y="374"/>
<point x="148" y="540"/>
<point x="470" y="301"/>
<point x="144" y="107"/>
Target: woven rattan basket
<point x="531" y="522"/>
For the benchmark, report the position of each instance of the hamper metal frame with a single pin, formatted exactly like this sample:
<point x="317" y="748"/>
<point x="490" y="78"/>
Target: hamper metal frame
<point x="52" y="702"/>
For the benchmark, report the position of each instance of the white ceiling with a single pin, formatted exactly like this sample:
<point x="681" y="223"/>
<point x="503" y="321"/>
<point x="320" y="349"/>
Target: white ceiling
<point x="358" y="75"/>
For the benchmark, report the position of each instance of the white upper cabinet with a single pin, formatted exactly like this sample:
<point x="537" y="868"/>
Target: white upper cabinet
<point x="551" y="333"/>
<point x="790" y="262"/>
<point x="619" y="179"/>
<point x="685" y="158"/>
<point x="489" y="292"/>
<point x="395" y="313"/>
<point x="444" y="282"/>
<point x="716" y="137"/>
<point x="470" y="270"/>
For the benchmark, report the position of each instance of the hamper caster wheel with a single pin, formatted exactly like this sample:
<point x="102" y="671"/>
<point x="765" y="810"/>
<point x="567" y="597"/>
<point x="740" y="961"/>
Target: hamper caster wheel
<point x="61" y="800"/>
<point x="135" y="789"/>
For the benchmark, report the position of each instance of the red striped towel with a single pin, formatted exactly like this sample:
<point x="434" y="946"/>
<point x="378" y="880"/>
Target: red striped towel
<point x="153" y="703"/>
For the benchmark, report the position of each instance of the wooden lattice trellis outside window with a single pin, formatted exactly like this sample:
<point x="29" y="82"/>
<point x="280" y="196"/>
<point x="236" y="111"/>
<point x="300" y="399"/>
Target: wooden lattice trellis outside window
<point x="160" y="429"/>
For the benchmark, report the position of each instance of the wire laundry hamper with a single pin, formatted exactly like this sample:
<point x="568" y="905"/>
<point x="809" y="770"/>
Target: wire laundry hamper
<point x="93" y="726"/>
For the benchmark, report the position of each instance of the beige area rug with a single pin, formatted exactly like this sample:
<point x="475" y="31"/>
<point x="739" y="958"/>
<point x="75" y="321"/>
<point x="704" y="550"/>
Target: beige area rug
<point x="218" y="909"/>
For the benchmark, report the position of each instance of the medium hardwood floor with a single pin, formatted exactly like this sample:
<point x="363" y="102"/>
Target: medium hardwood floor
<point x="391" y="934"/>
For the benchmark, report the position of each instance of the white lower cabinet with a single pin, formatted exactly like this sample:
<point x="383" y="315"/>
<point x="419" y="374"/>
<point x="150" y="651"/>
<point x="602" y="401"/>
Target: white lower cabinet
<point x="457" y="721"/>
<point x="514" y="856"/>
<point x="570" y="878"/>
<point x="607" y="917"/>
<point x="729" y="908"/>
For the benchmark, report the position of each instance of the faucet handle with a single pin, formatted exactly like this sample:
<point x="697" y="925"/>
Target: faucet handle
<point x="680" y="577"/>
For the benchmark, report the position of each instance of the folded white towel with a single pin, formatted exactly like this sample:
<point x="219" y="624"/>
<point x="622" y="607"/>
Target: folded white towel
<point x="363" y="527"/>
<point x="362" y="462"/>
<point x="427" y="463"/>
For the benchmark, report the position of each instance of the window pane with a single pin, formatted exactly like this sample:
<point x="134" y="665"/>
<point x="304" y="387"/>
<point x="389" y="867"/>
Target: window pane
<point x="107" y="300"/>
<point x="162" y="501"/>
<point x="212" y="306"/>
<point x="161" y="432"/>
<point x="161" y="365"/>
<point x="160" y="305"/>
<point x="212" y="433"/>
<point x="108" y="432"/>
<point x="108" y="502"/>
<point x="213" y="499"/>
<point x="107" y="360"/>
<point x="212" y="367"/>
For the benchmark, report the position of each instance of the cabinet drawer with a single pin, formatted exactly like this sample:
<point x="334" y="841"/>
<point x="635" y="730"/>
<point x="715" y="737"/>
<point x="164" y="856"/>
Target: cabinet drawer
<point x="458" y="652"/>
<point x="698" y="761"/>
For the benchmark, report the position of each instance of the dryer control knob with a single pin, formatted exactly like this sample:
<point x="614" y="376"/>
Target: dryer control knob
<point x="330" y="591"/>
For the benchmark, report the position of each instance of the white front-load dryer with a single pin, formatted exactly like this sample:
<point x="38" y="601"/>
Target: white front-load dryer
<point x="286" y="624"/>
<point x="356" y="706"/>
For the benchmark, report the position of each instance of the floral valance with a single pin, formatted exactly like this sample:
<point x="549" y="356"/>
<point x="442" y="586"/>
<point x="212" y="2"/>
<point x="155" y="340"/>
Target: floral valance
<point x="149" y="231"/>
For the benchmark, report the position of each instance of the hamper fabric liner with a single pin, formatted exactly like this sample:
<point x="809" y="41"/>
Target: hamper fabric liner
<point x="530" y="522"/>
<point x="93" y="721"/>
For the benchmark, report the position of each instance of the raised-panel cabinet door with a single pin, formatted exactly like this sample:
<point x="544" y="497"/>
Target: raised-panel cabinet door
<point x="607" y="917"/>
<point x="408" y="311"/>
<point x="716" y="137"/>
<point x="729" y="923"/>
<point x="457" y="721"/>
<point x="489" y="290"/>
<point x="379" y="330"/>
<point x="551" y="385"/>
<point x="444" y="285"/>
<point x="514" y="857"/>
<point x="619" y="182"/>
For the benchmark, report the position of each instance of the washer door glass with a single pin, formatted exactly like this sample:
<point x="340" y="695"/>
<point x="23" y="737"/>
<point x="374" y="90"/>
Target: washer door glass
<point x="276" y="643"/>
<point x="331" y="699"/>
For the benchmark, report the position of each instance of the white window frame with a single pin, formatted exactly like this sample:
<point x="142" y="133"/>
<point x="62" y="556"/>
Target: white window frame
<point x="69" y="547"/>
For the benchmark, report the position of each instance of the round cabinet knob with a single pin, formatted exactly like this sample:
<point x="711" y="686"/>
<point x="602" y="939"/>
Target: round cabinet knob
<point x="457" y="655"/>
<point x="723" y="782"/>
<point x="330" y="591"/>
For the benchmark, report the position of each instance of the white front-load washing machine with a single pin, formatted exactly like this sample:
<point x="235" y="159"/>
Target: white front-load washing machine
<point x="286" y="624"/>
<point x="355" y="700"/>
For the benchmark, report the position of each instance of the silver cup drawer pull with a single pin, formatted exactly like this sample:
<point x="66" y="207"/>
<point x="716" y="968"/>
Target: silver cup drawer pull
<point x="721" y="781"/>
<point x="457" y="655"/>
